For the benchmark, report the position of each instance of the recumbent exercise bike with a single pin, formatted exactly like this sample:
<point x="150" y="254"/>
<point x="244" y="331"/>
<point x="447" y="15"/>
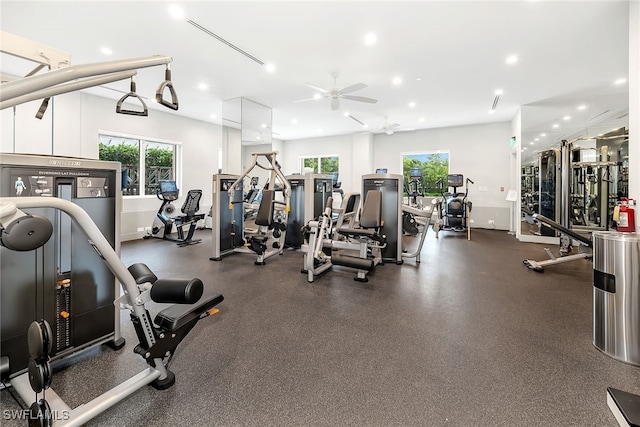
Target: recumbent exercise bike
<point x="163" y="223"/>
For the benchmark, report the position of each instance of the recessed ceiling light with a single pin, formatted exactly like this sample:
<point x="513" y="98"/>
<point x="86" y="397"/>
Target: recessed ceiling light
<point x="498" y="92"/>
<point x="582" y="107"/>
<point x="370" y="39"/>
<point x="203" y="86"/>
<point x="566" y="118"/>
<point x="106" y="51"/>
<point x="418" y="78"/>
<point x="294" y="121"/>
<point x="536" y="139"/>
<point x="555" y="126"/>
<point x="543" y="134"/>
<point x="620" y="81"/>
<point x="346" y="114"/>
<point x="270" y="68"/>
<point x="412" y="104"/>
<point x="365" y="125"/>
<point x="263" y="126"/>
<point x="422" y="119"/>
<point x="176" y="11"/>
<point x="492" y="111"/>
<point x="396" y="80"/>
<point x="512" y="59"/>
<point x="531" y="143"/>
<point x="524" y="148"/>
<point x="319" y="130"/>
<point x="213" y="116"/>
<point x="317" y="96"/>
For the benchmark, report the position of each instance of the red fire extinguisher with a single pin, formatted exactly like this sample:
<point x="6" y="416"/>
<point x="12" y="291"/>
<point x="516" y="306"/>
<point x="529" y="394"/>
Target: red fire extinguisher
<point x="626" y="217"/>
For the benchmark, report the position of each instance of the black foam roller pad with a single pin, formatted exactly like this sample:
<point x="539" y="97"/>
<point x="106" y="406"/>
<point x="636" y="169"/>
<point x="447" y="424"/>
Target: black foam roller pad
<point x="142" y="274"/>
<point x="177" y="291"/>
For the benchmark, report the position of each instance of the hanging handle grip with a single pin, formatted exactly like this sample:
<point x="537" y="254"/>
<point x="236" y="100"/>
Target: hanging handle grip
<point x="132" y="94"/>
<point x="167" y="84"/>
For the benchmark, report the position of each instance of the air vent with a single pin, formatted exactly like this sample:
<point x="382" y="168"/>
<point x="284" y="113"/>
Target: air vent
<point x="599" y="115"/>
<point x="220" y="39"/>
<point x="622" y="116"/>
<point x="495" y="103"/>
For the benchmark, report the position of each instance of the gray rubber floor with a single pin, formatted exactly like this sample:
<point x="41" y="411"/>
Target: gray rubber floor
<point x="469" y="337"/>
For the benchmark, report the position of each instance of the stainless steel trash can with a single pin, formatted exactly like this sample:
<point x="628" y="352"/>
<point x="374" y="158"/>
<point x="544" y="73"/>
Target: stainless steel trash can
<point x="616" y="295"/>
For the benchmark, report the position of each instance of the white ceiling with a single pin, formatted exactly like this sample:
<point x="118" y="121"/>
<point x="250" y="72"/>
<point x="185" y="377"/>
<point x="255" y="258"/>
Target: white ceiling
<point x="457" y="49"/>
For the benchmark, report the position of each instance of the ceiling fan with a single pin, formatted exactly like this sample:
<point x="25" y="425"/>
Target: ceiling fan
<point x="389" y="128"/>
<point x="335" y="94"/>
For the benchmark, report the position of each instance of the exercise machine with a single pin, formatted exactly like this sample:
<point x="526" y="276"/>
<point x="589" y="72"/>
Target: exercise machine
<point x="163" y="223"/>
<point x="158" y="339"/>
<point x="357" y="247"/>
<point x="567" y="237"/>
<point x="453" y="208"/>
<point x="309" y="194"/>
<point x="420" y="219"/>
<point x="414" y="187"/>
<point x="229" y="234"/>
<point x="392" y="189"/>
<point x="73" y="288"/>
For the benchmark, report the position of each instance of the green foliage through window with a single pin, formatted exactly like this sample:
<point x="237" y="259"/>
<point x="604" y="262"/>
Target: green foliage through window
<point x="159" y="161"/>
<point x="434" y="166"/>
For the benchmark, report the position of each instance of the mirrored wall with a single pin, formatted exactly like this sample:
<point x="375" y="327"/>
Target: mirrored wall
<point x="578" y="182"/>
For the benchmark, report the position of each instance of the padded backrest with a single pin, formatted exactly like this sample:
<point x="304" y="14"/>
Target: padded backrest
<point x="265" y="210"/>
<point x="191" y="204"/>
<point x="372" y="210"/>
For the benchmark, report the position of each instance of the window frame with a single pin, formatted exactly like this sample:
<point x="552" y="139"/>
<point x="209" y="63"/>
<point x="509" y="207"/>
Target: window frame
<point x="422" y="153"/>
<point x="144" y="141"/>
<point x="319" y="158"/>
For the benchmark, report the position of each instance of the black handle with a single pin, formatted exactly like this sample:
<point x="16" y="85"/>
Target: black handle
<point x="167" y="84"/>
<point x="132" y="94"/>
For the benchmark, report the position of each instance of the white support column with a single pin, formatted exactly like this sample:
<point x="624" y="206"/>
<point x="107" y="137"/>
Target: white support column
<point x="634" y="104"/>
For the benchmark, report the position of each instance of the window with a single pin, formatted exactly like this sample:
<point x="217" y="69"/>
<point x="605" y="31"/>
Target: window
<point x="433" y="166"/>
<point x="320" y="164"/>
<point x="144" y="162"/>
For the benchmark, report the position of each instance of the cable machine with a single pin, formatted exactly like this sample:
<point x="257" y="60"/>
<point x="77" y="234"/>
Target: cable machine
<point x="229" y="233"/>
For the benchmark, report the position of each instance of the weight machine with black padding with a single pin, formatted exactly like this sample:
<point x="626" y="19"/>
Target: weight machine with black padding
<point x="22" y="231"/>
<point x="229" y="233"/>
<point x="359" y="247"/>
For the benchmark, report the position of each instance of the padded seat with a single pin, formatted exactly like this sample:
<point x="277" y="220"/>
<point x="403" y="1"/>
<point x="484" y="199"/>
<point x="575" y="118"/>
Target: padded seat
<point x="176" y="316"/>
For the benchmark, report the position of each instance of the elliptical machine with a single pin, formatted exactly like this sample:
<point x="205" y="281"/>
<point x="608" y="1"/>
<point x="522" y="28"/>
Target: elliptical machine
<point x="162" y="226"/>
<point x="453" y="208"/>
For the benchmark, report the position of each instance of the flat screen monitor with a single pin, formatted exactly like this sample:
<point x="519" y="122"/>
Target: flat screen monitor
<point x="168" y="187"/>
<point x="455" y="180"/>
<point x="381" y="170"/>
<point x="415" y="173"/>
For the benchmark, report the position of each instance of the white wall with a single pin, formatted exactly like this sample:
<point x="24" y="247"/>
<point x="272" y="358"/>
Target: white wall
<point x="480" y="152"/>
<point x="340" y="145"/>
<point x="78" y="118"/>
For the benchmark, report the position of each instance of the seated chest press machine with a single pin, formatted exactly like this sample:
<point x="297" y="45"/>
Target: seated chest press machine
<point x="349" y="246"/>
<point x="158" y="339"/>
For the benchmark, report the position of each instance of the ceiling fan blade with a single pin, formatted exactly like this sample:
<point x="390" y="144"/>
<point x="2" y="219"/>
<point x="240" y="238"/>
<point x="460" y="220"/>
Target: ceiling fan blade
<point x="360" y="99"/>
<point x="356" y="120"/>
<point x="388" y="132"/>
<point x="335" y="104"/>
<point x="353" y="88"/>
<point x="310" y="99"/>
<point x="393" y="126"/>
<point x="319" y="89"/>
